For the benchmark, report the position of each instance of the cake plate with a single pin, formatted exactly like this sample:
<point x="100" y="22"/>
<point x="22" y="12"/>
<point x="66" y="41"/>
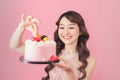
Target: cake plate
<point x="38" y="62"/>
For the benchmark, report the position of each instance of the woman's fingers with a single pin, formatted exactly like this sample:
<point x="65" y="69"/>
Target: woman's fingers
<point x="23" y="18"/>
<point x="63" y="62"/>
<point x="35" y="30"/>
<point x="29" y="23"/>
<point x="36" y="21"/>
<point x="28" y="19"/>
<point x="31" y="20"/>
<point x="63" y="59"/>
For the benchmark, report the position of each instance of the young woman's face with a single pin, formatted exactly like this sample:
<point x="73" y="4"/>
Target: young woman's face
<point x="68" y="32"/>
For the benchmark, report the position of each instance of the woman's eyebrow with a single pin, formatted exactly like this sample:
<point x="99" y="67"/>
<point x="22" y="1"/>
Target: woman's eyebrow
<point x="68" y="24"/>
<point x="72" y="24"/>
<point x="61" y="24"/>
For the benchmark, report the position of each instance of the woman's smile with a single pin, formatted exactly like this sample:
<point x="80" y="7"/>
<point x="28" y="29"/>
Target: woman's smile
<point x="67" y="37"/>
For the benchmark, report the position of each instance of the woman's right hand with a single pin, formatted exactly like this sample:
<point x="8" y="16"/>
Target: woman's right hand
<point x="29" y="23"/>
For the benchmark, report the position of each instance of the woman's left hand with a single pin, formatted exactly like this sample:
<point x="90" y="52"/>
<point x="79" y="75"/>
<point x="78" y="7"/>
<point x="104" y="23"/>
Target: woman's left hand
<point x="64" y="64"/>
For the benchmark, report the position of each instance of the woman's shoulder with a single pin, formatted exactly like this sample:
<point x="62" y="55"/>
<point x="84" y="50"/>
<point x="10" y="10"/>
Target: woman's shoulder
<point x="91" y="60"/>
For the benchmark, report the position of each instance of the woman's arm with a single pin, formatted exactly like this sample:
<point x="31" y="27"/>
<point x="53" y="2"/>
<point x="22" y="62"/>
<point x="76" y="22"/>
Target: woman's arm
<point x="65" y="65"/>
<point x="90" y="67"/>
<point x="71" y="76"/>
<point x="27" y="23"/>
<point x="16" y="39"/>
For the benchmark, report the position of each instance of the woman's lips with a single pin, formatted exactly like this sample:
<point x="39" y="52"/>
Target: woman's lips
<point x="67" y="37"/>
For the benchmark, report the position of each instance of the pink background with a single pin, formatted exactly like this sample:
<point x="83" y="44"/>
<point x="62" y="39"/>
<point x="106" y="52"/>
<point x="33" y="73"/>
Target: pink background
<point x="102" y="19"/>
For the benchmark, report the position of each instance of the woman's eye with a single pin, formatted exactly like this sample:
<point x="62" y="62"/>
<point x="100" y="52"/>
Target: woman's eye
<point x="71" y="28"/>
<point x="61" y="27"/>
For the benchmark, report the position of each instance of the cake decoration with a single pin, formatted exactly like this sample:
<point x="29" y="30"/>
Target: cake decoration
<point x="39" y="37"/>
<point x="54" y="58"/>
<point x="44" y="38"/>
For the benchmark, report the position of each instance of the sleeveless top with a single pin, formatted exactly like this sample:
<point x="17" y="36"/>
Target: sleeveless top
<point x="58" y="74"/>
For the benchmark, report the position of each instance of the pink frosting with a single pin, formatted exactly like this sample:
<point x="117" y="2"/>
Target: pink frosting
<point x="39" y="51"/>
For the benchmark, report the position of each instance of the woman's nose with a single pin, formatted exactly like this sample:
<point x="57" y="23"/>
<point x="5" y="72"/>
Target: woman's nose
<point x="66" y="31"/>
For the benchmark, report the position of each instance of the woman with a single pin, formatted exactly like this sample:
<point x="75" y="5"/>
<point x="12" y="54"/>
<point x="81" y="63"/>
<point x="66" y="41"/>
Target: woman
<point x="71" y="37"/>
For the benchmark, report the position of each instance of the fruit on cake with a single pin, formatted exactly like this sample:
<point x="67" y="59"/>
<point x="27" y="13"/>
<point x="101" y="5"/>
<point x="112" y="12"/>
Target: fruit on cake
<point x="39" y="48"/>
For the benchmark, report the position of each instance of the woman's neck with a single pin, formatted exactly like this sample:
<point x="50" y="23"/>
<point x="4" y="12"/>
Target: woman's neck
<point x="70" y="49"/>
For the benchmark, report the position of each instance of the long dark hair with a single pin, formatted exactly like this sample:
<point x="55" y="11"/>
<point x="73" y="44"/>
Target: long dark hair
<point x="83" y="52"/>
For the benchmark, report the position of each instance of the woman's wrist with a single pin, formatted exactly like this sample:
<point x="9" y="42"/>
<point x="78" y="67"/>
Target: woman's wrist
<point x="71" y="75"/>
<point x="21" y="27"/>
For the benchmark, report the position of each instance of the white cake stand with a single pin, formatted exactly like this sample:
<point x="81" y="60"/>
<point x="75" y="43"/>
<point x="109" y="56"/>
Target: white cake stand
<point x="38" y="62"/>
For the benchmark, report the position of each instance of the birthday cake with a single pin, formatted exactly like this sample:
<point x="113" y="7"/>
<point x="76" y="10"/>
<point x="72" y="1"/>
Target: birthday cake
<point x="40" y="48"/>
